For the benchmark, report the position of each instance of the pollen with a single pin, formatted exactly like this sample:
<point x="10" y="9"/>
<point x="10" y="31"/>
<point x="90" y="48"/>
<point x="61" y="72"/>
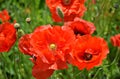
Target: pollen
<point x="52" y="46"/>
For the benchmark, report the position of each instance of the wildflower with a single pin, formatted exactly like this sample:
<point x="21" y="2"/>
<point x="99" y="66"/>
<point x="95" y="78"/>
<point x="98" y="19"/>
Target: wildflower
<point x="80" y="26"/>
<point x="4" y="16"/>
<point x="115" y="40"/>
<point x="69" y="9"/>
<point x="7" y="36"/>
<point x="52" y="44"/>
<point x="88" y="52"/>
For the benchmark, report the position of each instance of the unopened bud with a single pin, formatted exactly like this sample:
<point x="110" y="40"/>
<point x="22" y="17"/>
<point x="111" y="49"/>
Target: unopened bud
<point x="17" y="26"/>
<point x="60" y="12"/>
<point x="20" y="33"/>
<point x="28" y="20"/>
<point x="111" y="10"/>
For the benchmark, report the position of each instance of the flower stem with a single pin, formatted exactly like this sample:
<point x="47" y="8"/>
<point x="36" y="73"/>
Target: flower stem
<point x="113" y="62"/>
<point x="116" y="57"/>
<point x="96" y="73"/>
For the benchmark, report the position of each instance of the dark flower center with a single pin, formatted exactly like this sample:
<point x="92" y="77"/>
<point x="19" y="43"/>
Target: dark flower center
<point x="76" y="32"/>
<point x="66" y="2"/>
<point x="87" y="56"/>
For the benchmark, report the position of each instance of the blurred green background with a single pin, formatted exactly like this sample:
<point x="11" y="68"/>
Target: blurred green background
<point x="105" y="14"/>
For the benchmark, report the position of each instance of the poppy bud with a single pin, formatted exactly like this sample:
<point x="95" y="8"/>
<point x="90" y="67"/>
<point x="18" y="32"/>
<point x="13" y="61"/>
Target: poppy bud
<point x="111" y="10"/>
<point x="20" y="33"/>
<point x="28" y="20"/>
<point x="60" y="12"/>
<point x="17" y="26"/>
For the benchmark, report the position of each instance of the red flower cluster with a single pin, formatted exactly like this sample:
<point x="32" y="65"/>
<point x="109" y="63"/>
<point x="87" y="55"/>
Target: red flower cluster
<point x="115" y="40"/>
<point x="52" y="48"/>
<point x="7" y="32"/>
<point x="69" y="9"/>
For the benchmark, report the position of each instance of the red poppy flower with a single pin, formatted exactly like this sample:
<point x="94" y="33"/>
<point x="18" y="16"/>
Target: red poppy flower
<point x="69" y="9"/>
<point x="48" y="46"/>
<point x="7" y="36"/>
<point x="80" y="26"/>
<point x="88" y="52"/>
<point x="4" y="16"/>
<point x="115" y="40"/>
<point x="52" y="45"/>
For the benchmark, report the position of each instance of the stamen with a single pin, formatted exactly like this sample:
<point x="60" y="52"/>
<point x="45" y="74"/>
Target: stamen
<point x="87" y="56"/>
<point x="52" y="46"/>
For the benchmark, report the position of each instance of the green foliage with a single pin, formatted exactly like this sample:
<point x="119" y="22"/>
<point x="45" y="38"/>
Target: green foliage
<point x="105" y="14"/>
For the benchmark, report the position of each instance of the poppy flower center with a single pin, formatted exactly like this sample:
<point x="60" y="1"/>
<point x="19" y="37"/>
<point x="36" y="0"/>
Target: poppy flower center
<point x="52" y="46"/>
<point x="87" y="56"/>
<point x="76" y="32"/>
<point x="66" y="2"/>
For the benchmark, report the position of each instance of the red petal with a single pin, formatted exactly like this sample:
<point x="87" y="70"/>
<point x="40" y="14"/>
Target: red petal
<point x="40" y="74"/>
<point x="24" y="45"/>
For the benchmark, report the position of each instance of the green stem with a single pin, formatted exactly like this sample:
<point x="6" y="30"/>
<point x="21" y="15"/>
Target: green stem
<point x="116" y="57"/>
<point x="3" y="60"/>
<point x="78" y="73"/>
<point x="113" y="62"/>
<point x="96" y="73"/>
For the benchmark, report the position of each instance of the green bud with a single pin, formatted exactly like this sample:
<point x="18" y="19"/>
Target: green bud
<point x="60" y="12"/>
<point x="17" y="26"/>
<point x="28" y="20"/>
<point x="20" y="33"/>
